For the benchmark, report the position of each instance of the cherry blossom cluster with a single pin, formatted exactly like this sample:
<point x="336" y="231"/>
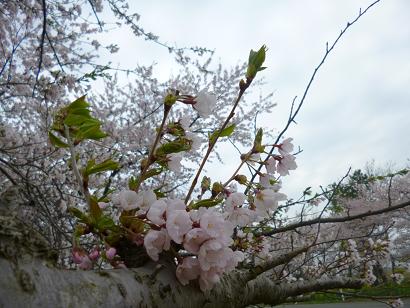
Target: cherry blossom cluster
<point x="204" y="234"/>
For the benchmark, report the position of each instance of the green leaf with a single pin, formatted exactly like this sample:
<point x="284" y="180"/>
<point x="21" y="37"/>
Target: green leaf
<point x="257" y="144"/>
<point x="255" y="61"/>
<point x="95" y="210"/>
<point x="175" y="146"/>
<point x="56" y="141"/>
<point x="91" y="132"/>
<point x="226" y="132"/>
<point x="159" y="193"/>
<point x="131" y="222"/>
<point x="105" y="222"/>
<point x="79" y="214"/>
<point x="132" y="183"/>
<point x="79" y="103"/>
<point x="205" y="203"/>
<point x="75" y="119"/>
<point x="102" y="167"/>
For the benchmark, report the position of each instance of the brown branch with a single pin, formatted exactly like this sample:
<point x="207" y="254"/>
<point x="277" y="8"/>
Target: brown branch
<point x="212" y="144"/>
<point x="336" y="219"/>
<point x="255" y="272"/>
<point x="43" y="35"/>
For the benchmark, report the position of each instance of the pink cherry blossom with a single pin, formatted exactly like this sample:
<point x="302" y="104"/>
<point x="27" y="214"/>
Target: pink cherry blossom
<point x="86" y="263"/>
<point x="271" y="165"/>
<point x="196" y="141"/>
<point x="82" y="259"/>
<point x="188" y="270"/>
<point x="266" y="201"/>
<point x="175" y="204"/>
<point x="156" y="212"/>
<point x="216" y="226"/>
<point x="213" y="253"/>
<point x="127" y="200"/>
<point x="268" y="181"/>
<point x="235" y="200"/>
<point x="286" y="163"/>
<point x="178" y="224"/>
<point x="155" y="242"/>
<point x="241" y="216"/>
<point x="94" y="254"/>
<point x="148" y="197"/>
<point x="286" y="147"/>
<point x="194" y="239"/>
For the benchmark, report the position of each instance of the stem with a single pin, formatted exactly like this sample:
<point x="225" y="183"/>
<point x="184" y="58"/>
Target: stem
<point x="212" y="144"/>
<point x="234" y="174"/>
<point x="154" y="146"/>
<point x="77" y="174"/>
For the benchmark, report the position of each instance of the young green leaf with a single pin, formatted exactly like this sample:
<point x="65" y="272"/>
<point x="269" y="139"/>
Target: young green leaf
<point x="56" y="141"/>
<point x="101" y="167"/>
<point x="226" y="132"/>
<point x="205" y="203"/>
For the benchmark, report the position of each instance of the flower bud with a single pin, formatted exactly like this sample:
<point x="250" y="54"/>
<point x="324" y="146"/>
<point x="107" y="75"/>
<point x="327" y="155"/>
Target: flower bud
<point x="205" y="184"/>
<point x="217" y="188"/>
<point x="241" y="179"/>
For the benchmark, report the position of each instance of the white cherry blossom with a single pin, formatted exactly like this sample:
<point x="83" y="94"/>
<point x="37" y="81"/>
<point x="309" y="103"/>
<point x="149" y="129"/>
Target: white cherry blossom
<point x="156" y="212"/>
<point x="286" y="163"/>
<point x="127" y="200"/>
<point x="266" y="201"/>
<point x="194" y="239"/>
<point x="155" y="242"/>
<point x="188" y="270"/>
<point x="178" y="224"/>
<point x="286" y="147"/>
<point x="174" y="162"/>
<point x="205" y="103"/>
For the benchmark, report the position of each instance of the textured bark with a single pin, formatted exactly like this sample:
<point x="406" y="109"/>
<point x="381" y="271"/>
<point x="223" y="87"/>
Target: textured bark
<point x="29" y="278"/>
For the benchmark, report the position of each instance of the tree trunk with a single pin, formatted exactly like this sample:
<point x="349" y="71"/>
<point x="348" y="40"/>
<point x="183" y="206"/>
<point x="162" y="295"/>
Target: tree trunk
<point x="29" y="278"/>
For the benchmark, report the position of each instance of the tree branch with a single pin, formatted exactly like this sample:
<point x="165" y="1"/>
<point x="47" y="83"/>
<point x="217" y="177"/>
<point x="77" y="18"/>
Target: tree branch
<point x="336" y="219"/>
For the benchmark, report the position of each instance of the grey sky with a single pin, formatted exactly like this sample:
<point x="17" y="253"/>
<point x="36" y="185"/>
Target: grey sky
<point x="358" y="106"/>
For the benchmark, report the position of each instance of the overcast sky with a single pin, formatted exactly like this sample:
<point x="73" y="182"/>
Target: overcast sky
<point x="358" y="107"/>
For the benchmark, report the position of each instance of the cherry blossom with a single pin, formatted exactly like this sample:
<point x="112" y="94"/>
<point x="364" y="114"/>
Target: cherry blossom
<point x="286" y="147"/>
<point x="236" y="214"/>
<point x="155" y="242"/>
<point x="174" y="162"/>
<point x="194" y="239"/>
<point x="266" y="201"/>
<point x="271" y="165"/>
<point x="127" y="200"/>
<point x="156" y="212"/>
<point x="286" y="163"/>
<point x="216" y="226"/>
<point x="188" y="270"/>
<point x="178" y="224"/>
<point x="205" y="103"/>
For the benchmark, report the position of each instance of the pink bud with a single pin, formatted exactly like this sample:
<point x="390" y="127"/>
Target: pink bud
<point x="77" y="255"/>
<point x="110" y="253"/>
<point x="94" y="255"/>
